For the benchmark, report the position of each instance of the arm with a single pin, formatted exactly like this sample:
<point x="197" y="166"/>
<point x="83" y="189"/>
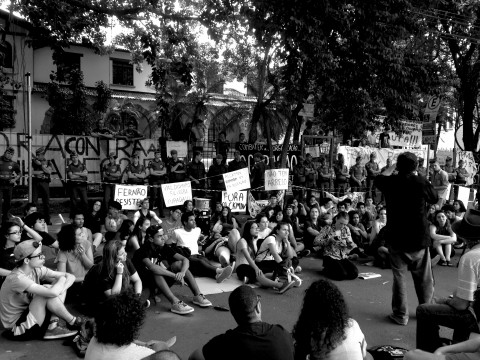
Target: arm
<point x="155" y="217"/>
<point x="273" y="251"/>
<point x="33" y="234"/>
<point x="86" y="257"/>
<point x="133" y="240"/>
<point x="235" y="225"/>
<point x="312" y="231"/>
<point x="136" y="216"/>
<point x="48" y="292"/>
<point x="156" y="269"/>
<point x="441" y="238"/>
<point x="469" y="346"/>
<point x="4" y="272"/>
<point x="458" y="303"/>
<point x="117" y="285"/>
<point x="137" y="283"/>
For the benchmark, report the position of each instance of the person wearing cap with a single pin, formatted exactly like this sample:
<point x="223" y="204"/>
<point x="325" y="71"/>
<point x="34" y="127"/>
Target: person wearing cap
<point x="196" y="173"/>
<point x="237" y="163"/>
<point x="101" y="131"/>
<point x="257" y="176"/>
<point x="111" y="174"/>
<point x="252" y="339"/>
<point x="136" y="171"/>
<point x="42" y="169"/>
<point x="457" y="312"/>
<point x="175" y="168"/>
<point x="215" y="177"/>
<point x="77" y="176"/>
<point x="30" y="310"/>
<point x="130" y="133"/>
<point x="9" y="175"/>
<point x="406" y="195"/>
<point x="156" y="177"/>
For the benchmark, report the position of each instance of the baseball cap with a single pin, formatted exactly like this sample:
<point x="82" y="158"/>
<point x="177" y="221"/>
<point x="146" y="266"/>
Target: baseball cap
<point x="40" y="150"/>
<point x="10" y="150"/>
<point x="25" y="249"/>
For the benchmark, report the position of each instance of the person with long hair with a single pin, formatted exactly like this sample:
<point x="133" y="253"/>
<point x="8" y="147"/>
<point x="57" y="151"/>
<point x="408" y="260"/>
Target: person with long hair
<point x="123" y="234"/>
<point x="431" y="209"/>
<point x="460" y="208"/>
<point x="263" y="228"/>
<point x="94" y="220"/>
<point x="442" y="238"/>
<point x="312" y="228"/>
<point x="324" y="329"/>
<point x="248" y="272"/>
<point x="188" y="206"/>
<point x="226" y="221"/>
<point x="145" y="212"/>
<point x="139" y="232"/>
<point x="75" y="256"/>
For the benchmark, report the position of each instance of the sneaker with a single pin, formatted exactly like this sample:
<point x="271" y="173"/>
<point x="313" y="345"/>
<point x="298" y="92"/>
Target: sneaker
<point x="397" y="321"/>
<point x="59" y="333"/>
<point x="443" y="263"/>
<point x="181" y="308"/>
<point x="77" y="324"/>
<point x="298" y="269"/>
<point x="201" y="301"/>
<point x="304" y="253"/>
<point x="287" y="285"/>
<point x="226" y="273"/>
<point x="296" y="280"/>
<point x="146" y="304"/>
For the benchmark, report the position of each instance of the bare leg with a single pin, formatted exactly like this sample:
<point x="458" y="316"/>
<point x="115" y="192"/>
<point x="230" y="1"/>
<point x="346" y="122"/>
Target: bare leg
<point x="189" y="279"/>
<point x="165" y="289"/>
<point x="448" y="251"/>
<point x="56" y="307"/>
<point x="223" y="254"/>
<point x="440" y="252"/>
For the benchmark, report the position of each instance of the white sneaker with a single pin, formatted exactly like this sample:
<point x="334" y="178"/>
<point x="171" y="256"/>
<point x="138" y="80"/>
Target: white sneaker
<point x="297" y="281"/>
<point x="201" y="301"/>
<point x="181" y="308"/>
<point x="59" y="333"/>
<point x="226" y="273"/>
<point x="298" y="269"/>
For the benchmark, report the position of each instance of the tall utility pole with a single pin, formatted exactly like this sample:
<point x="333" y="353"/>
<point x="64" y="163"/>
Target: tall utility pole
<point x="29" y="134"/>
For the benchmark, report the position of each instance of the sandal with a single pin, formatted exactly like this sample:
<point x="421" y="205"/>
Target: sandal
<point x="443" y="263"/>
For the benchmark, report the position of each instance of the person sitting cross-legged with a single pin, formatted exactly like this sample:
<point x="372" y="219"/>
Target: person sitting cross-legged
<point x="252" y="339"/>
<point x="162" y="266"/>
<point x="188" y="237"/>
<point x="30" y="310"/>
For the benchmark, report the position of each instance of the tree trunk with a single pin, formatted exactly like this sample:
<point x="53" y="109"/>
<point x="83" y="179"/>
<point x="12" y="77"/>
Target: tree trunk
<point x="253" y="134"/>
<point x="469" y="98"/>
<point x="288" y="134"/>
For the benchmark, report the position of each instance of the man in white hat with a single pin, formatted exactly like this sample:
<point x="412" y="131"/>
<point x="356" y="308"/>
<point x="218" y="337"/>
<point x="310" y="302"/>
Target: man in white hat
<point x="42" y="170"/>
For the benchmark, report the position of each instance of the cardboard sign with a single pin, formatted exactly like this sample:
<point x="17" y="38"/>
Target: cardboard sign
<point x="470" y="165"/>
<point x="276" y="179"/>
<point x="180" y="146"/>
<point x="236" y="201"/>
<point x="130" y="195"/>
<point x="236" y="180"/>
<point x="177" y="193"/>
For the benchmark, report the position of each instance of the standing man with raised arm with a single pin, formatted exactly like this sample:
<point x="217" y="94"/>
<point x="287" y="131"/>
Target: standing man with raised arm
<point x="42" y="169"/>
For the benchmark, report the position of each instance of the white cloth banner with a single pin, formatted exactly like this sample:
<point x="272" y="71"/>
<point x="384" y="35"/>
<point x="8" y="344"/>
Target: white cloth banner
<point x="236" y="201"/>
<point x="180" y="146"/>
<point x="130" y="195"/>
<point x="177" y="193"/>
<point x="236" y="180"/>
<point x="276" y="179"/>
<point x="463" y="194"/>
<point x="470" y="165"/>
<point x="412" y="137"/>
<point x="351" y="153"/>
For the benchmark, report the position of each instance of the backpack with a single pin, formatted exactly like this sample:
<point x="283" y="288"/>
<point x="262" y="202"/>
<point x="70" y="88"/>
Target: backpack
<point x="387" y="352"/>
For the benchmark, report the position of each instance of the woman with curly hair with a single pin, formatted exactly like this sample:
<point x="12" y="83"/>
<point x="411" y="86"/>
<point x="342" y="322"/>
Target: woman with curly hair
<point x="118" y="324"/>
<point x="75" y="256"/>
<point x="324" y="329"/>
<point x="442" y="238"/>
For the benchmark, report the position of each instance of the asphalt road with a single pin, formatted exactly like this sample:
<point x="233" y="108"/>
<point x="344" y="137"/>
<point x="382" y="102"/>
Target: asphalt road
<point x="368" y="300"/>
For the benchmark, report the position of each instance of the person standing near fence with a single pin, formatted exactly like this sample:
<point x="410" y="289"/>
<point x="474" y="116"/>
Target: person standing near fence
<point x="215" y="176"/>
<point x="77" y="176"/>
<point x="42" y="169"/>
<point x="136" y="171"/>
<point x="156" y="178"/>
<point x="461" y="175"/>
<point x="175" y="168"/>
<point x="257" y="176"/>
<point x="372" y="171"/>
<point x="222" y="146"/>
<point x="9" y="175"/>
<point x="111" y="175"/>
<point x="357" y="175"/>
<point x="196" y="173"/>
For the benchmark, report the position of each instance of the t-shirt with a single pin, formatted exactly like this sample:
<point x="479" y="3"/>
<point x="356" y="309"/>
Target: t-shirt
<point x="156" y="254"/>
<point x="469" y="274"/>
<point x="99" y="351"/>
<point x="259" y="340"/>
<point x="384" y="140"/>
<point x="157" y="166"/>
<point x="14" y="298"/>
<point x="136" y="169"/>
<point x="264" y="233"/>
<point x="77" y="169"/>
<point x="169" y="228"/>
<point x="7" y="169"/>
<point x="47" y="239"/>
<point x="188" y="239"/>
<point x="7" y="261"/>
<point x="110" y="172"/>
<point x="39" y="167"/>
<point x="73" y="260"/>
<point x="264" y="253"/>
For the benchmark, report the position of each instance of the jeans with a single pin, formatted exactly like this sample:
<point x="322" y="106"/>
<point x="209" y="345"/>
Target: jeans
<point x="371" y="188"/>
<point x="418" y="263"/>
<point x="42" y="188"/>
<point x="339" y="269"/>
<point x="156" y="196"/>
<point x="6" y="196"/>
<point x="430" y="316"/>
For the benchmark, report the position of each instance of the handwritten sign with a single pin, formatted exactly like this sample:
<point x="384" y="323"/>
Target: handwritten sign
<point x="180" y="146"/>
<point x="276" y="179"/>
<point x="177" y="193"/>
<point x="130" y="195"/>
<point x="236" y="201"/>
<point x="470" y="165"/>
<point x="236" y="180"/>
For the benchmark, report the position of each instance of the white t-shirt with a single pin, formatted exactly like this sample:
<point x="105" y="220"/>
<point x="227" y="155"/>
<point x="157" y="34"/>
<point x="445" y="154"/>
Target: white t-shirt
<point x="354" y="347"/>
<point x="188" y="239"/>
<point x="468" y="274"/>
<point x="98" y="351"/>
<point x="264" y="233"/>
<point x="263" y="252"/>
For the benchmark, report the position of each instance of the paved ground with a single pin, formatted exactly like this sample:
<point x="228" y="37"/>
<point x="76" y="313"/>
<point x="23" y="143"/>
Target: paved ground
<point x="368" y="300"/>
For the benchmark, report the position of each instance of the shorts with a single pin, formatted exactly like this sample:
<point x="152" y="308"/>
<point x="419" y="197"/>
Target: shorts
<point x="27" y="327"/>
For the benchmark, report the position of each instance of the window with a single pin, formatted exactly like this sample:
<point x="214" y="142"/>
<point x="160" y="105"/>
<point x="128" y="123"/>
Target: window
<point x="6" y="55"/>
<point x="122" y="72"/>
<point x="68" y="62"/>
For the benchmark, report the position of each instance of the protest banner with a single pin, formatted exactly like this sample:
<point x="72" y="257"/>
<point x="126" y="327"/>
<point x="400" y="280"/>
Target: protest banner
<point x="470" y="165"/>
<point x="412" y="135"/>
<point x="236" y="201"/>
<point x="130" y="195"/>
<point x="247" y="150"/>
<point x="177" y="193"/>
<point x="236" y="180"/>
<point x="276" y="179"/>
<point x="180" y="146"/>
